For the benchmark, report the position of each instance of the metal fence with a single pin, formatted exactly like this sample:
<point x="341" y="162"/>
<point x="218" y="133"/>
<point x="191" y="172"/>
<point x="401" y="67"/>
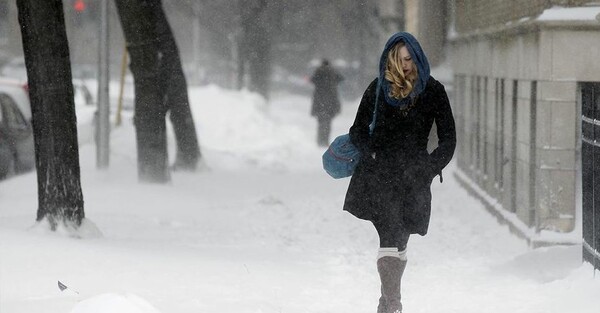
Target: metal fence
<point x="590" y="161"/>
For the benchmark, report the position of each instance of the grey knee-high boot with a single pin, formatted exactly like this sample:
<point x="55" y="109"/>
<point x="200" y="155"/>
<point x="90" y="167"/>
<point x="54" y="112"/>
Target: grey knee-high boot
<point x="390" y="270"/>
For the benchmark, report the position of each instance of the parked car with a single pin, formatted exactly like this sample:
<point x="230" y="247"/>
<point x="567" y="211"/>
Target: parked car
<point x="17" y="153"/>
<point x="18" y="90"/>
<point x="15" y="70"/>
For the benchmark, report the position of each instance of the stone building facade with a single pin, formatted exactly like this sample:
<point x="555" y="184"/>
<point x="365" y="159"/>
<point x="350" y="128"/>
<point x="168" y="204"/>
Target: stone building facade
<point x="427" y="20"/>
<point x="518" y="70"/>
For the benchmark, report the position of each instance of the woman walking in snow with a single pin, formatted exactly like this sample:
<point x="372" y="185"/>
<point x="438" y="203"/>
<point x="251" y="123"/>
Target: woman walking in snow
<point x="391" y="184"/>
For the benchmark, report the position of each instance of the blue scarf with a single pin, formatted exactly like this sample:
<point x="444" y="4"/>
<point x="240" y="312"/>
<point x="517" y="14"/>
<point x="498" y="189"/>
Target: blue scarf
<point x="418" y="57"/>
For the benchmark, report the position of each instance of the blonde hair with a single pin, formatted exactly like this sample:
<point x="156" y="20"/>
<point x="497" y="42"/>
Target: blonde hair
<point x="400" y="86"/>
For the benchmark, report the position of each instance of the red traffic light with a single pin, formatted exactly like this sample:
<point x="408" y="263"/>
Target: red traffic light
<point x="79" y="6"/>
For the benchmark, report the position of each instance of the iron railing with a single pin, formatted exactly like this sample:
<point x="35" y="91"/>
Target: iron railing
<point x="590" y="166"/>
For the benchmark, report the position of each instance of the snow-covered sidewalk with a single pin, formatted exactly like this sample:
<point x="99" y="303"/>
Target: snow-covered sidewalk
<point x="262" y="231"/>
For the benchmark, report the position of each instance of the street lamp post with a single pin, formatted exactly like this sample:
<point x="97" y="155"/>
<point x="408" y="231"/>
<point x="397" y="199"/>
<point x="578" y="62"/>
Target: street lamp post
<point x="102" y="116"/>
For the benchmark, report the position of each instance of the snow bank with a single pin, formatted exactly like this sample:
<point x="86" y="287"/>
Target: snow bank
<point x="586" y="13"/>
<point x="114" y="303"/>
<point x="263" y="231"/>
<point x="87" y="229"/>
<point x="238" y="125"/>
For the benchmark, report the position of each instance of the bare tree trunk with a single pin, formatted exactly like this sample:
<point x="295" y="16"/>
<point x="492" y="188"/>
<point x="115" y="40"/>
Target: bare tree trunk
<point x="256" y="44"/>
<point x="46" y="50"/>
<point x="139" y="23"/>
<point x="241" y="65"/>
<point x="260" y="63"/>
<point x="160" y="87"/>
<point x="176" y="96"/>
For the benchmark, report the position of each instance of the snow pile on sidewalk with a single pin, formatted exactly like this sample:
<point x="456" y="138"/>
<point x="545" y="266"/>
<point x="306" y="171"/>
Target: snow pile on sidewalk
<point x="241" y="124"/>
<point x="114" y="303"/>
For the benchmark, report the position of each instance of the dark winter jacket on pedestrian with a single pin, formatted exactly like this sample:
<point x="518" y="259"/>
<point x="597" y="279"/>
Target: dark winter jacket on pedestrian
<point x="326" y="103"/>
<point x="392" y="180"/>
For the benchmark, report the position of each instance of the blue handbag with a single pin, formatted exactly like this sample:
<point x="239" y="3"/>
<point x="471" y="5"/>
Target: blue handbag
<point x="342" y="156"/>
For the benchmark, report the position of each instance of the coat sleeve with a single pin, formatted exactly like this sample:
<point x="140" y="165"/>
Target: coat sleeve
<point x="359" y="132"/>
<point x="314" y="78"/>
<point x="446" y="131"/>
<point x="339" y="77"/>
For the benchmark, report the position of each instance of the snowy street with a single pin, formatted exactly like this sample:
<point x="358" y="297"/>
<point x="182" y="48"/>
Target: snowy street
<point x="261" y="230"/>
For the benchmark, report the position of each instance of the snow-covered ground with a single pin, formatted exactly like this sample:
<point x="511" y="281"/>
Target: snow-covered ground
<point x="261" y="230"/>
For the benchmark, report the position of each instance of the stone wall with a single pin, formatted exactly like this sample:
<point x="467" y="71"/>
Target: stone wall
<point x="480" y="14"/>
<point x="517" y="104"/>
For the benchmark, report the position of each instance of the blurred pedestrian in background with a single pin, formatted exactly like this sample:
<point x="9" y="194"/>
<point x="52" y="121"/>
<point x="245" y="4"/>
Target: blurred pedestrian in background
<point x="326" y="103"/>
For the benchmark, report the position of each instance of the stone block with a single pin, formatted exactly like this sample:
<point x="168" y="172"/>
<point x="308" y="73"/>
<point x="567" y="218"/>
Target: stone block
<point x="555" y="159"/>
<point x="482" y="60"/>
<point x="564" y="125"/>
<point x="524" y="89"/>
<point x="565" y="45"/>
<point x="557" y="91"/>
<point x="507" y="194"/>
<point x="523" y="151"/>
<point x="510" y="69"/>
<point x="522" y="192"/>
<point x="490" y="168"/>
<point x="557" y="205"/>
<point x="544" y="124"/>
<point x="545" y="54"/>
<point x="523" y="121"/>
<point x="529" y="56"/>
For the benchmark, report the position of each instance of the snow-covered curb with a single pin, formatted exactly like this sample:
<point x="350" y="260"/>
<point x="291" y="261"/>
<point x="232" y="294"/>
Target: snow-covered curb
<point x="516" y="226"/>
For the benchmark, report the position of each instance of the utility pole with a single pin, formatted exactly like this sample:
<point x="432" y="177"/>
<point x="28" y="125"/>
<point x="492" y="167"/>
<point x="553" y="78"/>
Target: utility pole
<point x="103" y="112"/>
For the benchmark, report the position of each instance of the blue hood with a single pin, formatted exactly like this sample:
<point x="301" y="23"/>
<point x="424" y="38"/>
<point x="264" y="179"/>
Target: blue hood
<point x="420" y="60"/>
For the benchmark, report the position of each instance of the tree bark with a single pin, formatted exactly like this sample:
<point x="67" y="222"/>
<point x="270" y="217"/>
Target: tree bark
<point x="138" y="20"/>
<point x="160" y="87"/>
<point x="176" y="96"/>
<point x="46" y="50"/>
<point x="256" y="44"/>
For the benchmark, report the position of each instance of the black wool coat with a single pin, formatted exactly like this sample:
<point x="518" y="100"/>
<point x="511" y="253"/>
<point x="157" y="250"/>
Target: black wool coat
<point x="326" y="103"/>
<point x="392" y="180"/>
